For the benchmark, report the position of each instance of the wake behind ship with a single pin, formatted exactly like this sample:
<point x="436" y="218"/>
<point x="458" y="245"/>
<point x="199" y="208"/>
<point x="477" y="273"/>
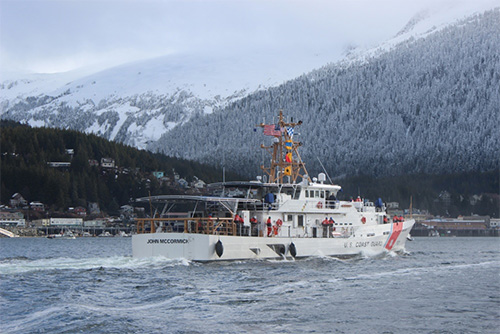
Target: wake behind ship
<point x="282" y="214"/>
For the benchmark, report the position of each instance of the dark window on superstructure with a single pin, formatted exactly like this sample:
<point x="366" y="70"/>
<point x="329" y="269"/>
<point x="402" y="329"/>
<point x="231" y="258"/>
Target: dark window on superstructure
<point x="300" y="220"/>
<point x="296" y="194"/>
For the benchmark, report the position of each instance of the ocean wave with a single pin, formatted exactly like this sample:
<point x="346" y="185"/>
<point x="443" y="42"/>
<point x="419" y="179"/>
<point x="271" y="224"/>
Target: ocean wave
<point x="24" y="265"/>
<point x="106" y="309"/>
<point x="446" y="266"/>
<point x="31" y="321"/>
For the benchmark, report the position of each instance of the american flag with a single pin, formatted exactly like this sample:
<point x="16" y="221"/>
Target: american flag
<point x="272" y="130"/>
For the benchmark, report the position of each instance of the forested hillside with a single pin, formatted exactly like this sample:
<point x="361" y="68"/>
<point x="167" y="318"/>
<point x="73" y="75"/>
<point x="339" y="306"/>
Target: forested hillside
<point x="24" y="169"/>
<point x="427" y="106"/>
<point x="26" y="151"/>
<point x="448" y="195"/>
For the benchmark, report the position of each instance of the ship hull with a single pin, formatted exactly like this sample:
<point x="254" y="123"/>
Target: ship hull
<point x="203" y="247"/>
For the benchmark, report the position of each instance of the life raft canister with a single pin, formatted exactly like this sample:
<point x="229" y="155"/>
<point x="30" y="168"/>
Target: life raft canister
<point x="363" y="220"/>
<point x="319" y="205"/>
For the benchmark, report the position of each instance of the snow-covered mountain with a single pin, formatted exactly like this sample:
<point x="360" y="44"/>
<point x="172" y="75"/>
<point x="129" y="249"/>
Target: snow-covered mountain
<point x="425" y="22"/>
<point x="138" y="103"/>
<point x="426" y="105"/>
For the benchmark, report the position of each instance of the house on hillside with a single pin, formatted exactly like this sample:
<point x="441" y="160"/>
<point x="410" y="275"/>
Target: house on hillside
<point x="70" y="152"/>
<point x="94" y="208"/>
<point x="79" y="210"/>
<point x="93" y="163"/>
<point x="37" y="206"/>
<point x="444" y="197"/>
<point x="158" y="174"/>
<point x="176" y="175"/>
<point x="165" y="179"/>
<point x="107" y="163"/>
<point x="197" y="183"/>
<point x="183" y="183"/>
<point x="126" y="208"/>
<point x="17" y="200"/>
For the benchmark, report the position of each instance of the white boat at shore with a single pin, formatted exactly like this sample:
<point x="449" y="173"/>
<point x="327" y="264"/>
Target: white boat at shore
<point x="65" y="234"/>
<point x="122" y="234"/>
<point x="288" y="215"/>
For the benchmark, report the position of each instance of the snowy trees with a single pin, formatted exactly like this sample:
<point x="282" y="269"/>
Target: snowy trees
<point x="429" y="105"/>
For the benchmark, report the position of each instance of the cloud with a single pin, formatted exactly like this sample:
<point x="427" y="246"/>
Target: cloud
<point x="56" y="35"/>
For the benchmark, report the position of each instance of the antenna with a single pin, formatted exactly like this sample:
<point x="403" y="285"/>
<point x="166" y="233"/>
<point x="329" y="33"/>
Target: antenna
<point x="223" y="166"/>
<point x="411" y="206"/>
<point x="329" y="179"/>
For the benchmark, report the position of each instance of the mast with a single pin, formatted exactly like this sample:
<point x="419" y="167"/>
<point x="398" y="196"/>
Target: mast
<point x="285" y="157"/>
<point x="411" y="206"/>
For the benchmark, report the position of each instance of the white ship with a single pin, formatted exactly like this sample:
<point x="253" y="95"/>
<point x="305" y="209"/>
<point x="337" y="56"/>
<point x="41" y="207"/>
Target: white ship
<point x="284" y="214"/>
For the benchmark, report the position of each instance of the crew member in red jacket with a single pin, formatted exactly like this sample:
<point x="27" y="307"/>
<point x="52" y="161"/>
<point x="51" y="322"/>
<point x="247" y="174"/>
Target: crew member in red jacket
<point x="269" y="225"/>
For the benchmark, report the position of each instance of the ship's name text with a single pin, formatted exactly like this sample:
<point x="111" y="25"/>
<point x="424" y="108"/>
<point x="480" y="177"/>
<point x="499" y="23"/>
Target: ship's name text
<point x="168" y="241"/>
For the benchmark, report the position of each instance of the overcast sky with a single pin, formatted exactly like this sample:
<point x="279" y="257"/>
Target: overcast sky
<point x="52" y="36"/>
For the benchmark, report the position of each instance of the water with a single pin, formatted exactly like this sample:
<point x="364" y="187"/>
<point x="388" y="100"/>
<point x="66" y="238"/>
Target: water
<point x="93" y="285"/>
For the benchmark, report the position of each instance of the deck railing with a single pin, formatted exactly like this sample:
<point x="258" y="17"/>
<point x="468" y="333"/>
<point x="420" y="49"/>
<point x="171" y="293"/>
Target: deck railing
<point x="222" y="226"/>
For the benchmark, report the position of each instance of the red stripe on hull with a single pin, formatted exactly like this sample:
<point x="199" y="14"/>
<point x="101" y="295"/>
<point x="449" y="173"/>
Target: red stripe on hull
<point x="396" y="231"/>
